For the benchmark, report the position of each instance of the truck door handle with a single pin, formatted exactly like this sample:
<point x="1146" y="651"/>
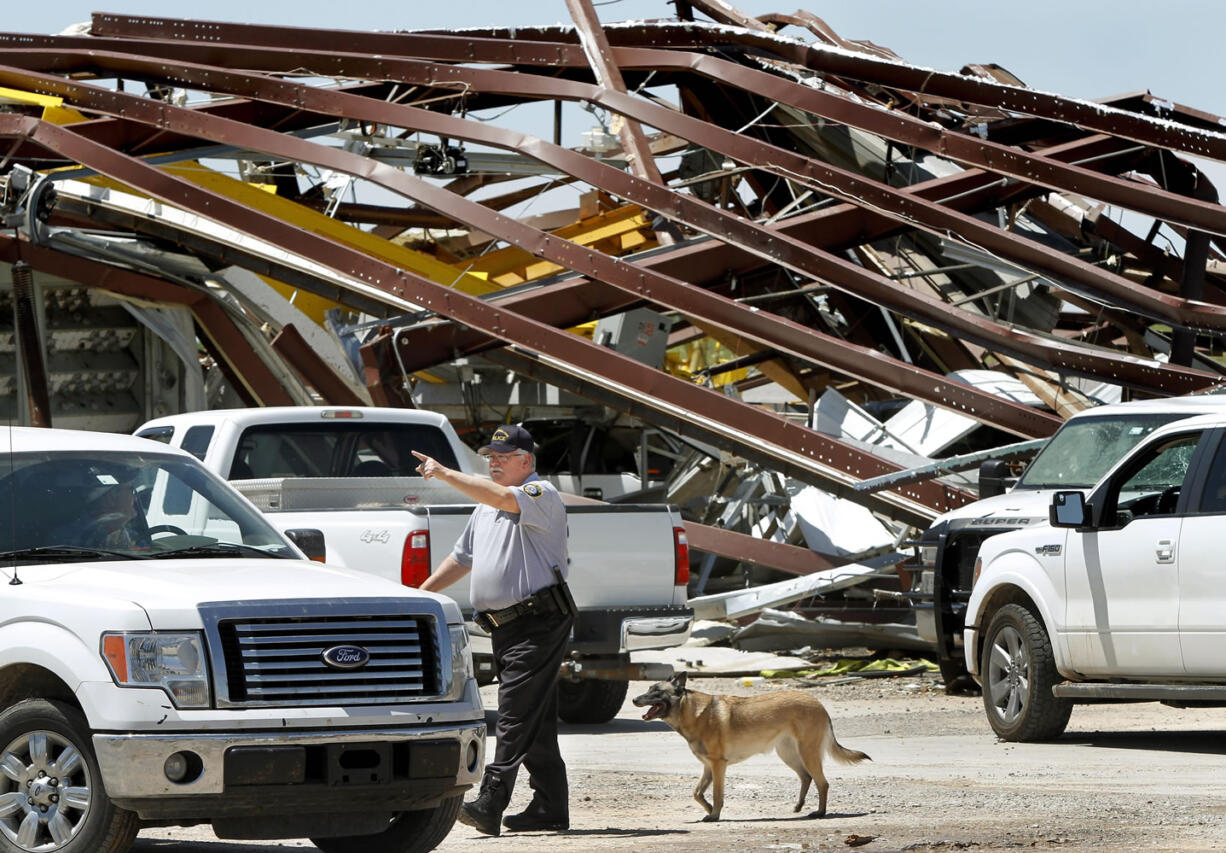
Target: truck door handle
<point x="1166" y="551"/>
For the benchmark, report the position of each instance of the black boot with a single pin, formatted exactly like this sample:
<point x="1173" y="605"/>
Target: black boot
<point x="484" y="814"/>
<point x="537" y="817"/>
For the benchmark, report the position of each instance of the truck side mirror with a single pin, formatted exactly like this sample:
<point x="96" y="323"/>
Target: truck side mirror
<point x="310" y="542"/>
<point x="1068" y="509"/>
<point x="994" y="478"/>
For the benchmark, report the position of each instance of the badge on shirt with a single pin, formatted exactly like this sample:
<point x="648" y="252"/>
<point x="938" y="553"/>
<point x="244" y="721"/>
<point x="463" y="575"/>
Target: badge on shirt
<point x="532" y="490"/>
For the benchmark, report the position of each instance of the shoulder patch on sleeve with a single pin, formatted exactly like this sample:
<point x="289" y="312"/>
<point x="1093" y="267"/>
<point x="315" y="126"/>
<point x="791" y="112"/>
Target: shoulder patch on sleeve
<point x="532" y="490"/>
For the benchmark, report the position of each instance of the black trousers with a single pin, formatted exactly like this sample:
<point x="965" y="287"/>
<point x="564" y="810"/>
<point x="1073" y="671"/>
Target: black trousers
<point x="528" y="652"/>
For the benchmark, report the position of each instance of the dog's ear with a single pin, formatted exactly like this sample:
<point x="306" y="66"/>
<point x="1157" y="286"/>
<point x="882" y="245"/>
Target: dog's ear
<point x="678" y="681"/>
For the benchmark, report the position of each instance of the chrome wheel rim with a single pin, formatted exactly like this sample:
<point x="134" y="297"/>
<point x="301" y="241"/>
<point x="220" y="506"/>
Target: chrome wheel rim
<point x="44" y="791"/>
<point x="1008" y="674"/>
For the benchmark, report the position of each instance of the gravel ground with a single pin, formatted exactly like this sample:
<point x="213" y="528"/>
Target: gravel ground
<point x="1124" y="777"/>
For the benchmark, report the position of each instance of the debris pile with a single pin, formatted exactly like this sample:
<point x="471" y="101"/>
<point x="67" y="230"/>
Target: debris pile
<point x="820" y="284"/>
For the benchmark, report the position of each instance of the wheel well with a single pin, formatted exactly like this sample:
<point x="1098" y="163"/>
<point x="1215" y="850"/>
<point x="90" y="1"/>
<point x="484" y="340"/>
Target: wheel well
<point x="27" y="681"/>
<point x="996" y="599"/>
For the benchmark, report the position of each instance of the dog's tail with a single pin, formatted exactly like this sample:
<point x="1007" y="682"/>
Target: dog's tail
<point x="841" y="753"/>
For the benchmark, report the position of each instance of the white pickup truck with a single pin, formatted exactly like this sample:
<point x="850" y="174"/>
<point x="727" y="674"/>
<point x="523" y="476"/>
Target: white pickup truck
<point x="350" y="473"/>
<point x="1080" y="452"/>
<point x="185" y="664"/>
<point x="1118" y="596"/>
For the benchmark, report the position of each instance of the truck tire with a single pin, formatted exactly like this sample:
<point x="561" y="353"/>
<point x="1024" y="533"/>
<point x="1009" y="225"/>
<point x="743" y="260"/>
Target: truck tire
<point x="53" y="787"/>
<point x="1018" y="671"/>
<point x="590" y="700"/>
<point x="411" y="832"/>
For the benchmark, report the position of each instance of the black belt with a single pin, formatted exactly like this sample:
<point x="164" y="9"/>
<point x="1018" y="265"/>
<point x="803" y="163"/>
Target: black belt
<point x="542" y="603"/>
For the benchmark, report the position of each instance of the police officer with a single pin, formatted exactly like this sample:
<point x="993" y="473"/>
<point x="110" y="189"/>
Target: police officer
<point x="515" y="547"/>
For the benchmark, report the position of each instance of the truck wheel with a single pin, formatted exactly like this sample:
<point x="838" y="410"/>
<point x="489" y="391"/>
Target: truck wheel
<point x="52" y="797"/>
<point x="1019" y="671"/>
<point x="411" y="832"/>
<point x="590" y="700"/>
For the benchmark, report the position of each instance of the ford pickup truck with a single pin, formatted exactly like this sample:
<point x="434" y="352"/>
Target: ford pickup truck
<point x="350" y="473"/>
<point x="1077" y="455"/>
<point x="1117" y="596"/>
<point x="167" y="657"/>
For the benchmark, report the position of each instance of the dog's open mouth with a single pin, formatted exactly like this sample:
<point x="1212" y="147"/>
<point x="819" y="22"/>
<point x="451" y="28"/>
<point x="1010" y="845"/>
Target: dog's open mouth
<point x="654" y="711"/>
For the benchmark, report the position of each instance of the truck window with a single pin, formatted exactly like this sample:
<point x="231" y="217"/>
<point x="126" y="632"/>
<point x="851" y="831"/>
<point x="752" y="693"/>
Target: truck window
<point x="162" y="434"/>
<point x="1082" y="450"/>
<point x="196" y="440"/>
<point x="337" y="450"/>
<point x="1152" y="485"/>
<point x="1213" y="499"/>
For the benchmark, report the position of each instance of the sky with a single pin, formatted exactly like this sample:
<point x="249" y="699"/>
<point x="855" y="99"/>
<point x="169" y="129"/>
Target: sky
<point x="1083" y="48"/>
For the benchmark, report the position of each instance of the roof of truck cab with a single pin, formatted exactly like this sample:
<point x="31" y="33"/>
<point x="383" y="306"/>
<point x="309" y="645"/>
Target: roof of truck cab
<point x="300" y="414"/>
<point x="36" y="439"/>
<point x="1192" y="403"/>
<point x="1205" y="421"/>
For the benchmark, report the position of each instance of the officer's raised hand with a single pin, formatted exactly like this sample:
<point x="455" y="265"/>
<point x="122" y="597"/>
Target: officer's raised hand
<point x="429" y="466"/>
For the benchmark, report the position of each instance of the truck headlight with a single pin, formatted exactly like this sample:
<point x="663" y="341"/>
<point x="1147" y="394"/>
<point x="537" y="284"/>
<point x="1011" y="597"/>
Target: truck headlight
<point x="461" y="661"/>
<point x="173" y="662"/>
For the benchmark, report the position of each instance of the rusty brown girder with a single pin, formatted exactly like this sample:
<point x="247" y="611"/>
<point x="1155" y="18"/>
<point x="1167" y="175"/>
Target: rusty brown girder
<point x="532" y="48"/>
<point x="815" y="458"/>
<point x="764" y="328"/>
<point x="604" y="68"/>
<point x="902" y="128"/>
<point x="33" y="376"/>
<point x="290" y="343"/>
<point x="1074" y="274"/>
<point x="569" y="303"/>
<point x="1150" y="376"/>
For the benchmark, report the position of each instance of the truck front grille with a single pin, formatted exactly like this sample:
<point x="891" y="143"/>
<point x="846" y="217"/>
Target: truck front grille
<point x="279" y="660"/>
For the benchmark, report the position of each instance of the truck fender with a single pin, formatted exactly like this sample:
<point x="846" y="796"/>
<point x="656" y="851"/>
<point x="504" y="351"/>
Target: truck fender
<point x="53" y="648"/>
<point x="1015" y="576"/>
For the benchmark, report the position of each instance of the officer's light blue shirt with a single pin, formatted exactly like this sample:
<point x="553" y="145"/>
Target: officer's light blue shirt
<point x="511" y="556"/>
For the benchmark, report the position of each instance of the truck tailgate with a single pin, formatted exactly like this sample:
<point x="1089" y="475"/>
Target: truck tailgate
<point x="620" y="555"/>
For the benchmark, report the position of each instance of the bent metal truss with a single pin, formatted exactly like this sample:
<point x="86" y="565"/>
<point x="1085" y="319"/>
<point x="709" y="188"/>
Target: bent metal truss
<point x="821" y="209"/>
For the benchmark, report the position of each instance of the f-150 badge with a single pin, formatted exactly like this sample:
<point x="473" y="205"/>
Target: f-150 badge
<point x="376" y="536"/>
<point x="1048" y="550"/>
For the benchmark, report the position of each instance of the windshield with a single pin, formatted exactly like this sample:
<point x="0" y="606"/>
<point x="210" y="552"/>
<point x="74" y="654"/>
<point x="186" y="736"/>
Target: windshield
<point x="337" y="449"/>
<point x="125" y="505"/>
<point x="1083" y="449"/>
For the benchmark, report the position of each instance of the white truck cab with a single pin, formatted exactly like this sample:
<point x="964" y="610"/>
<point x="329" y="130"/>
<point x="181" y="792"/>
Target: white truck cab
<point x="1116" y="596"/>
<point x="1075" y="457"/>
<point x="160" y="667"/>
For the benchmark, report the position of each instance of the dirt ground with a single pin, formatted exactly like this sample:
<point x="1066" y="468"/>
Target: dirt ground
<point x="1124" y="777"/>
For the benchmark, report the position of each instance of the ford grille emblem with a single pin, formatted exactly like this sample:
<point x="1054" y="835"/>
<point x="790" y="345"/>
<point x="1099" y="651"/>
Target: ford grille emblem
<point x="346" y="657"/>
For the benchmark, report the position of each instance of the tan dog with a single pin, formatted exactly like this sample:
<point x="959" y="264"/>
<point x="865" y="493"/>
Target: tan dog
<point x="723" y="730"/>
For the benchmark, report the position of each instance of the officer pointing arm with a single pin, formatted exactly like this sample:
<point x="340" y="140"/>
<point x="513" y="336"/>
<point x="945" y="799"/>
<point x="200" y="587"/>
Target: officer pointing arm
<point x="515" y="546"/>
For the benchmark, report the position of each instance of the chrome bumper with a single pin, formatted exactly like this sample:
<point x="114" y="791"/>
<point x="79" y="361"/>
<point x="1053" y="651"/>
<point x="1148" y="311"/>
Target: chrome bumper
<point x="132" y="764"/>
<point x="655" y="632"/>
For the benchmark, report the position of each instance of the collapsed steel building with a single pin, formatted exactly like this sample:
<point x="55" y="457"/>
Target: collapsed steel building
<point x="763" y="204"/>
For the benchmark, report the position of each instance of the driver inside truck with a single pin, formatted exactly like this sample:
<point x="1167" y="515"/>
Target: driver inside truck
<point x="109" y="514"/>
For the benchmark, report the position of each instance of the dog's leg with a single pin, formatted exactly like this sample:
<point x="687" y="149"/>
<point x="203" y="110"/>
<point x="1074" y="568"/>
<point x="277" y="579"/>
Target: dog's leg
<point x="787" y="751"/>
<point x="812" y="752"/>
<point x="700" y="792"/>
<point x="717" y="793"/>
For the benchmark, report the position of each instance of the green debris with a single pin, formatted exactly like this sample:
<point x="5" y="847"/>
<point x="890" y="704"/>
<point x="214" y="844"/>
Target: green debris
<point x="877" y="668"/>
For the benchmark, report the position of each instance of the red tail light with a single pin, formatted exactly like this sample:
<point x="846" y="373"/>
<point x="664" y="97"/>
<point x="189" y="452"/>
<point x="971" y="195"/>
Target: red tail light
<point x="681" y="557"/>
<point x="415" y="561"/>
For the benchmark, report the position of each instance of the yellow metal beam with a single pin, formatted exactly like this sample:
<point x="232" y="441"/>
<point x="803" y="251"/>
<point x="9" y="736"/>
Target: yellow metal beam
<point x="616" y="232"/>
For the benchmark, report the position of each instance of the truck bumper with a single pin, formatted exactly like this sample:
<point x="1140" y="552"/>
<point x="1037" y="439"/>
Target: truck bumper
<point x="621" y="630"/>
<point x="248" y="775"/>
<point x="655" y="632"/>
<point x="970" y="640"/>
